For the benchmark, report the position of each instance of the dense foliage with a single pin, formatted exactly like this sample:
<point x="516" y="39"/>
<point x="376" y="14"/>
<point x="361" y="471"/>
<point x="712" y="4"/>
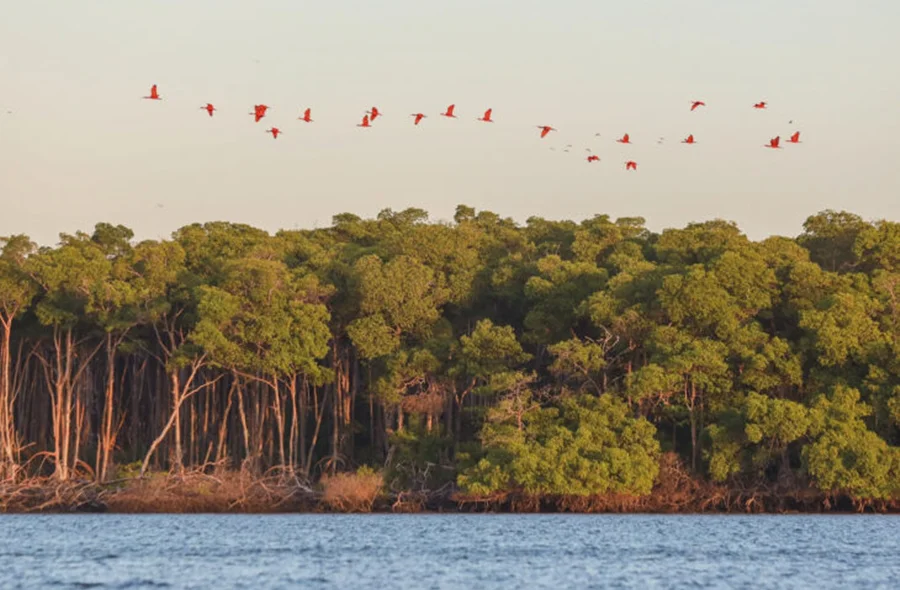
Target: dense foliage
<point x="553" y="358"/>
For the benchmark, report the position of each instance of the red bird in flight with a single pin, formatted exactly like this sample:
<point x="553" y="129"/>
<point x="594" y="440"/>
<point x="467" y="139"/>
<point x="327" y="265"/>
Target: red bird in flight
<point x="374" y="112"/>
<point x="795" y="138"/>
<point x="307" y="116"/>
<point x="773" y="143"/>
<point x="688" y="139"/>
<point x="449" y="112"/>
<point x="545" y="129"/>
<point x="630" y="165"/>
<point x="209" y="108"/>
<point x="154" y="95"/>
<point x="697" y="103"/>
<point x="365" y="122"/>
<point x="487" y="116"/>
<point x="274" y="131"/>
<point x="593" y="158"/>
<point x="625" y="139"/>
<point x="259" y="111"/>
<point x="419" y="117"/>
<point x="760" y="105"/>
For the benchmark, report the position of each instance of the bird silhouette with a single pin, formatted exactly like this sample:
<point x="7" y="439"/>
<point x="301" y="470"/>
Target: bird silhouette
<point x="761" y="105"/>
<point x="795" y="138"/>
<point x="545" y="129"/>
<point x="697" y="103"/>
<point x="487" y="116"/>
<point x="154" y="94"/>
<point x="773" y="143"/>
<point x="275" y="131"/>
<point x="449" y="112"/>
<point x="209" y="108"/>
<point x="365" y="122"/>
<point x="593" y="158"/>
<point x="630" y="165"/>
<point x="625" y="139"/>
<point x="307" y="116"/>
<point x="375" y="113"/>
<point x="419" y="117"/>
<point x="259" y="111"/>
<point x="688" y="139"/>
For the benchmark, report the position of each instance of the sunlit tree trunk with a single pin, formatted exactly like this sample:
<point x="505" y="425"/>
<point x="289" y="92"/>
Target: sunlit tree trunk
<point x="181" y="391"/>
<point x="9" y="459"/>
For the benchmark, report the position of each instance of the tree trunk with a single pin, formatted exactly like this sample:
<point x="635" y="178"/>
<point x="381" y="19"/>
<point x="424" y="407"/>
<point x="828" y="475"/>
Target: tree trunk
<point x="223" y="426"/>
<point x="279" y="422"/>
<point x="294" y="433"/>
<point x="320" y="414"/>
<point x="106" y="441"/>
<point x="9" y="460"/>
<point x="180" y="393"/>
<point x="693" y="416"/>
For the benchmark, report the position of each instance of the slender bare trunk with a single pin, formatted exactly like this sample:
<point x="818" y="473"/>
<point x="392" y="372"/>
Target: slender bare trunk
<point x="180" y="393"/>
<point x="223" y="426"/>
<point x="320" y="414"/>
<point x="295" y="417"/>
<point x="9" y="460"/>
<point x="279" y="421"/>
<point x="106" y="440"/>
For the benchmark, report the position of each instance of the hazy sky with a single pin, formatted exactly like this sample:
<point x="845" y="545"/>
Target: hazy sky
<point x="81" y="146"/>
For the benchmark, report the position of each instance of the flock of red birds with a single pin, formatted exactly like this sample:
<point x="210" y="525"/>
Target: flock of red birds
<point x="259" y="112"/>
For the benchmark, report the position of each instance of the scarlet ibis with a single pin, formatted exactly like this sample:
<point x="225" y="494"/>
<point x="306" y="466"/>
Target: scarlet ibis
<point x="593" y="158"/>
<point x="259" y="111"/>
<point x="274" y="131"/>
<point x="688" y="139"/>
<point x="630" y="165"/>
<point x="374" y="112"/>
<point x="773" y="143"/>
<point x="419" y="117"/>
<point x="795" y="138"/>
<point x="365" y="122"/>
<point x="625" y="139"/>
<point x="697" y="103"/>
<point x="154" y="95"/>
<point x="545" y="129"/>
<point x="487" y="116"/>
<point x="307" y="116"/>
<point x="449" y="112"/>
<point x="209" y="108"/>
<point x="760" y="105"/>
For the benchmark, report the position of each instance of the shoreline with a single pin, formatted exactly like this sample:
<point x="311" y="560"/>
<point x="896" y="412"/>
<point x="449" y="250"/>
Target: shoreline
<point x="236" y="493"/>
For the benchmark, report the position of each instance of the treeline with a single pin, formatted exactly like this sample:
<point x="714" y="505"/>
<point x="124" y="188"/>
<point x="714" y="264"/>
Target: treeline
<point x="554" y="358"/>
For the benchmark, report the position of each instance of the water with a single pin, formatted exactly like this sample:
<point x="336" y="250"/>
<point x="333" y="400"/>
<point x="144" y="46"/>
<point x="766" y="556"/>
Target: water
<point x="448" y="551"/>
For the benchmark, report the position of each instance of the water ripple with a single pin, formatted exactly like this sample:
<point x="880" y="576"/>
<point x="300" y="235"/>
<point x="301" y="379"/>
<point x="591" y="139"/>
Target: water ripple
<point x="448" y="551"/>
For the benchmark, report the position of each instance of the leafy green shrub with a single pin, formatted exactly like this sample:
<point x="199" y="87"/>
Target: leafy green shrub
<point x="586" y="446"/>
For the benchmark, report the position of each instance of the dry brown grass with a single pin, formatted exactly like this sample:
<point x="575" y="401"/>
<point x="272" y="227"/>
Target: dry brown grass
<point x="194" y="492"/>
<point x="351" y="492"/>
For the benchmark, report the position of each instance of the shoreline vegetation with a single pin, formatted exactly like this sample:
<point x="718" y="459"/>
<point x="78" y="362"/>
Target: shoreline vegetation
<point x="233" y="492"/>
<point x="398" y="364"/>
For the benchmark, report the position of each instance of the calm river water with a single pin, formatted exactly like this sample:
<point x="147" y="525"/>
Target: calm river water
<point x="449" y="551"/>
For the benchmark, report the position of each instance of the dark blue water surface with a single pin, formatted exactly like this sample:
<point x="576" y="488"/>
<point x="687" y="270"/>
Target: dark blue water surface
<point x="448" y="551"/>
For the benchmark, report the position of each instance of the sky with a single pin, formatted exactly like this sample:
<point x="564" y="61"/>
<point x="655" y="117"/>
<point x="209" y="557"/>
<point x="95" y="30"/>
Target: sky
<point x="79" y="146"/>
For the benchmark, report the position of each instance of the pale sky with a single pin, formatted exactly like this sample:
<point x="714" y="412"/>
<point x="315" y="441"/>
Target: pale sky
<point x="80" y="146"/>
